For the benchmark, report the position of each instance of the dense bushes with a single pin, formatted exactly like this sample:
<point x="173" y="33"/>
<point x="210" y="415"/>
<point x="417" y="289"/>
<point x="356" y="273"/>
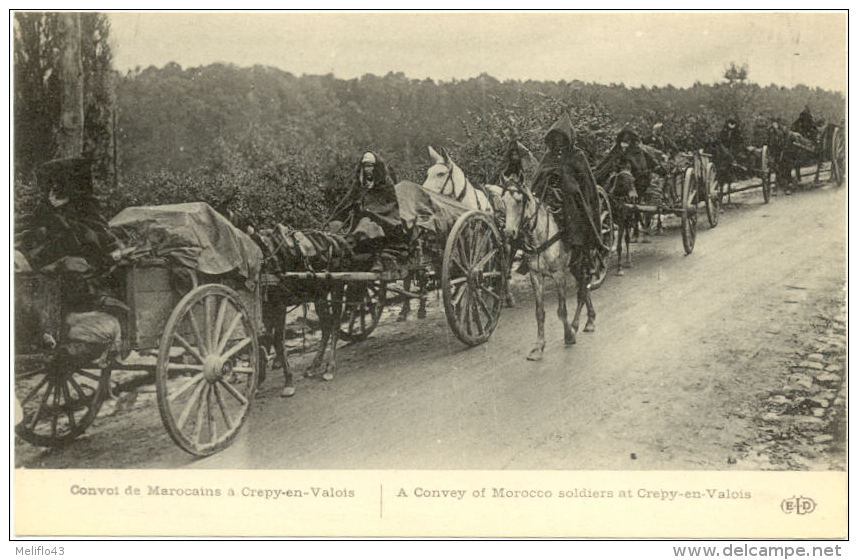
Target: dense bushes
<point x="275" y="147"/>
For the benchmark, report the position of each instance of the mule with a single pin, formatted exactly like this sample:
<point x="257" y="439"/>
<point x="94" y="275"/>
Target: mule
<point x="530" y="223"/>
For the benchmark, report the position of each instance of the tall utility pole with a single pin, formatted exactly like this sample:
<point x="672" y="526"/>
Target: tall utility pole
<point x="70" y="130"/>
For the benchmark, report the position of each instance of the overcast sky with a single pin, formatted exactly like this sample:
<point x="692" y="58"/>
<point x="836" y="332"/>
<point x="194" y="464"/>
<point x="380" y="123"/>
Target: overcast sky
<point x="633" y="48"/>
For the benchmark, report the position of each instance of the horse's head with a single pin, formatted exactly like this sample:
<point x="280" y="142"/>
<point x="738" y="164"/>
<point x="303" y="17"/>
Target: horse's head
<point x="515" y="186"/>
<point x="443" y="176"/>
<point x="518" y="205"/>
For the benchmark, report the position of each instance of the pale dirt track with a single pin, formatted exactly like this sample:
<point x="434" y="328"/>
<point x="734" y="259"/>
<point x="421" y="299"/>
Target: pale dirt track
<point x="685" y="348"/>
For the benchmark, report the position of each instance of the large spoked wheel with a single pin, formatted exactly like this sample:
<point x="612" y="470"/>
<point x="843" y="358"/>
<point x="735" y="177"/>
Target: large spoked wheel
<point x="765" y="172"/>
<point x="364" y="302"/>
<point x="473" y="278"/>
<point x="713" y="199"/>
<point x="601" y="256"/>
<point x="208" y="369"/>
<point x="838" y="156"/>
<point x="58" y="400"/>
<point x="688" y="212"/>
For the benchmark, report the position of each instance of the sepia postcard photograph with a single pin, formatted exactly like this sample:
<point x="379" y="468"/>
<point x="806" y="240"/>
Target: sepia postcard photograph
<point x="429" y="274"/>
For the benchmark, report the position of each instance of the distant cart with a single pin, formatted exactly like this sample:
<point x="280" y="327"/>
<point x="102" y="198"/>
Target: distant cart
<point x="755" y="163"/>
<point x="689" y="182"/>
<point x="828" y="152"/>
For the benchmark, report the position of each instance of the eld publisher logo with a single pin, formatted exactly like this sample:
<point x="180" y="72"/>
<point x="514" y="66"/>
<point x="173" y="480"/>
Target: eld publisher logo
<point x="798" y="505"/>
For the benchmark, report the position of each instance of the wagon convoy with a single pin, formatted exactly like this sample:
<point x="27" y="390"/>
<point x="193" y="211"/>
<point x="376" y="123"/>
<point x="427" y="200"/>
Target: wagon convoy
<point x="828" y="149"/>
<point x="194" y="291"/>
<point x="194" y="288"/>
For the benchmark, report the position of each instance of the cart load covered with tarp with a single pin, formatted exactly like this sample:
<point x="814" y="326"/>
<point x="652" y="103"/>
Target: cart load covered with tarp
<point x="193" y="235"/>
<point x="427" y="209"/>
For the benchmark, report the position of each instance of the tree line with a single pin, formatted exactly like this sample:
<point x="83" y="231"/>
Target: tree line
<point x="275" y="147"/>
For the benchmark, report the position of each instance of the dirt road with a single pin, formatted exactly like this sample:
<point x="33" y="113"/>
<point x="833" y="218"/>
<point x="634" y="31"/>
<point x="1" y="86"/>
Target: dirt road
<point x="689" y="355"/>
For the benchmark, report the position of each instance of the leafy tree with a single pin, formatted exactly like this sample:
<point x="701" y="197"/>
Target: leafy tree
<point x="37" y="94"/>
<point x="736" y="74"/>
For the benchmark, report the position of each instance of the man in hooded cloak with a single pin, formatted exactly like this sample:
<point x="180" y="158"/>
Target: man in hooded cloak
<point x="565" y="181"/>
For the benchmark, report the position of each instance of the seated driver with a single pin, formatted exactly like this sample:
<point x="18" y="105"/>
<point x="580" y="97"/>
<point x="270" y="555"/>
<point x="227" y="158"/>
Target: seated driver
<point x="68" y="237"/>
<point x="370" y="194"/>
<point x="370" y="211"/>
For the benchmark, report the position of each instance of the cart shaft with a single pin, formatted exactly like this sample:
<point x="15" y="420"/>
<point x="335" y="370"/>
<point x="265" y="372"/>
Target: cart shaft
<point x="389" y="276"/>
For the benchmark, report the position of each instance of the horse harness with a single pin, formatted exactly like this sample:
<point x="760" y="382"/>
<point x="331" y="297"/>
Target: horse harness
<point x="461" y="196"/>
<point x="528" y="225"/>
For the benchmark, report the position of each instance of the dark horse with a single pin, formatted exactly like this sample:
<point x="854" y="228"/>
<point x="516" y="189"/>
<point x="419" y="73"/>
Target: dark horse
<point x="621" y="189"/>
<point x="281" y="293"/>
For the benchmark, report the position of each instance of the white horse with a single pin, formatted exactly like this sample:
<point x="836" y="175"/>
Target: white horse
<point x="530" y="223"/>
<point x="447" y="178"/>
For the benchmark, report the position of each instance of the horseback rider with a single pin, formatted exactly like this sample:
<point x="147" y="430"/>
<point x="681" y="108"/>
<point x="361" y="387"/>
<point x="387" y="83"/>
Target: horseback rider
<point x="777" y="141"/>
<point x="643" y="164"/>
<point x="627" y="146"/>
<point x="728" y="147"/>
<point x="513" y="171"/>
<point x="565" y="172"/>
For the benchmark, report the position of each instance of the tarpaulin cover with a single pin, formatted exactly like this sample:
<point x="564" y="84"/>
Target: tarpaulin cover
<point x="427" y="209"/>
<point x="193" y="234"/>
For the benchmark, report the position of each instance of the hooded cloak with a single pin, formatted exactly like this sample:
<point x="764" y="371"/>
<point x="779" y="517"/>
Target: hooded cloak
<point x="73" y="229"/>
<point x="642" y="162"/>
<point x="805" y="125"/>
<point x="373" y="197"/>
<point x="730" y="144"/>
<point x="565" y="181"/>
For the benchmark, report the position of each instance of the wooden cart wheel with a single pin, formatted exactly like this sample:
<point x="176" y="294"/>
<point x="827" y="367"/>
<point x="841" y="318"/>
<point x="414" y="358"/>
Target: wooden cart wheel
<point x="364" y="302"/>
<point x="59" y="400"/>
<point x="600" y="256"/>
<point x="689" y="211"/>
<point x="713" y="199"/>
<point x="473" y="278"/>
<point x="838" y="156"/>
<point x="204" y="393"/>
<point x="765" y="173"/>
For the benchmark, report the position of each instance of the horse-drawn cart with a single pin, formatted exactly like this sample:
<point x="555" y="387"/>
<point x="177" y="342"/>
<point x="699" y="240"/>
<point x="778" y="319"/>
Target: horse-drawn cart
<point x="688" y="181"/>
<point x="462" y="247"/>
<point x="829" y="146"/>
<point x="756" y="162"/>
<point x="761" y="162"/>
<point x="193" y="322"/>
